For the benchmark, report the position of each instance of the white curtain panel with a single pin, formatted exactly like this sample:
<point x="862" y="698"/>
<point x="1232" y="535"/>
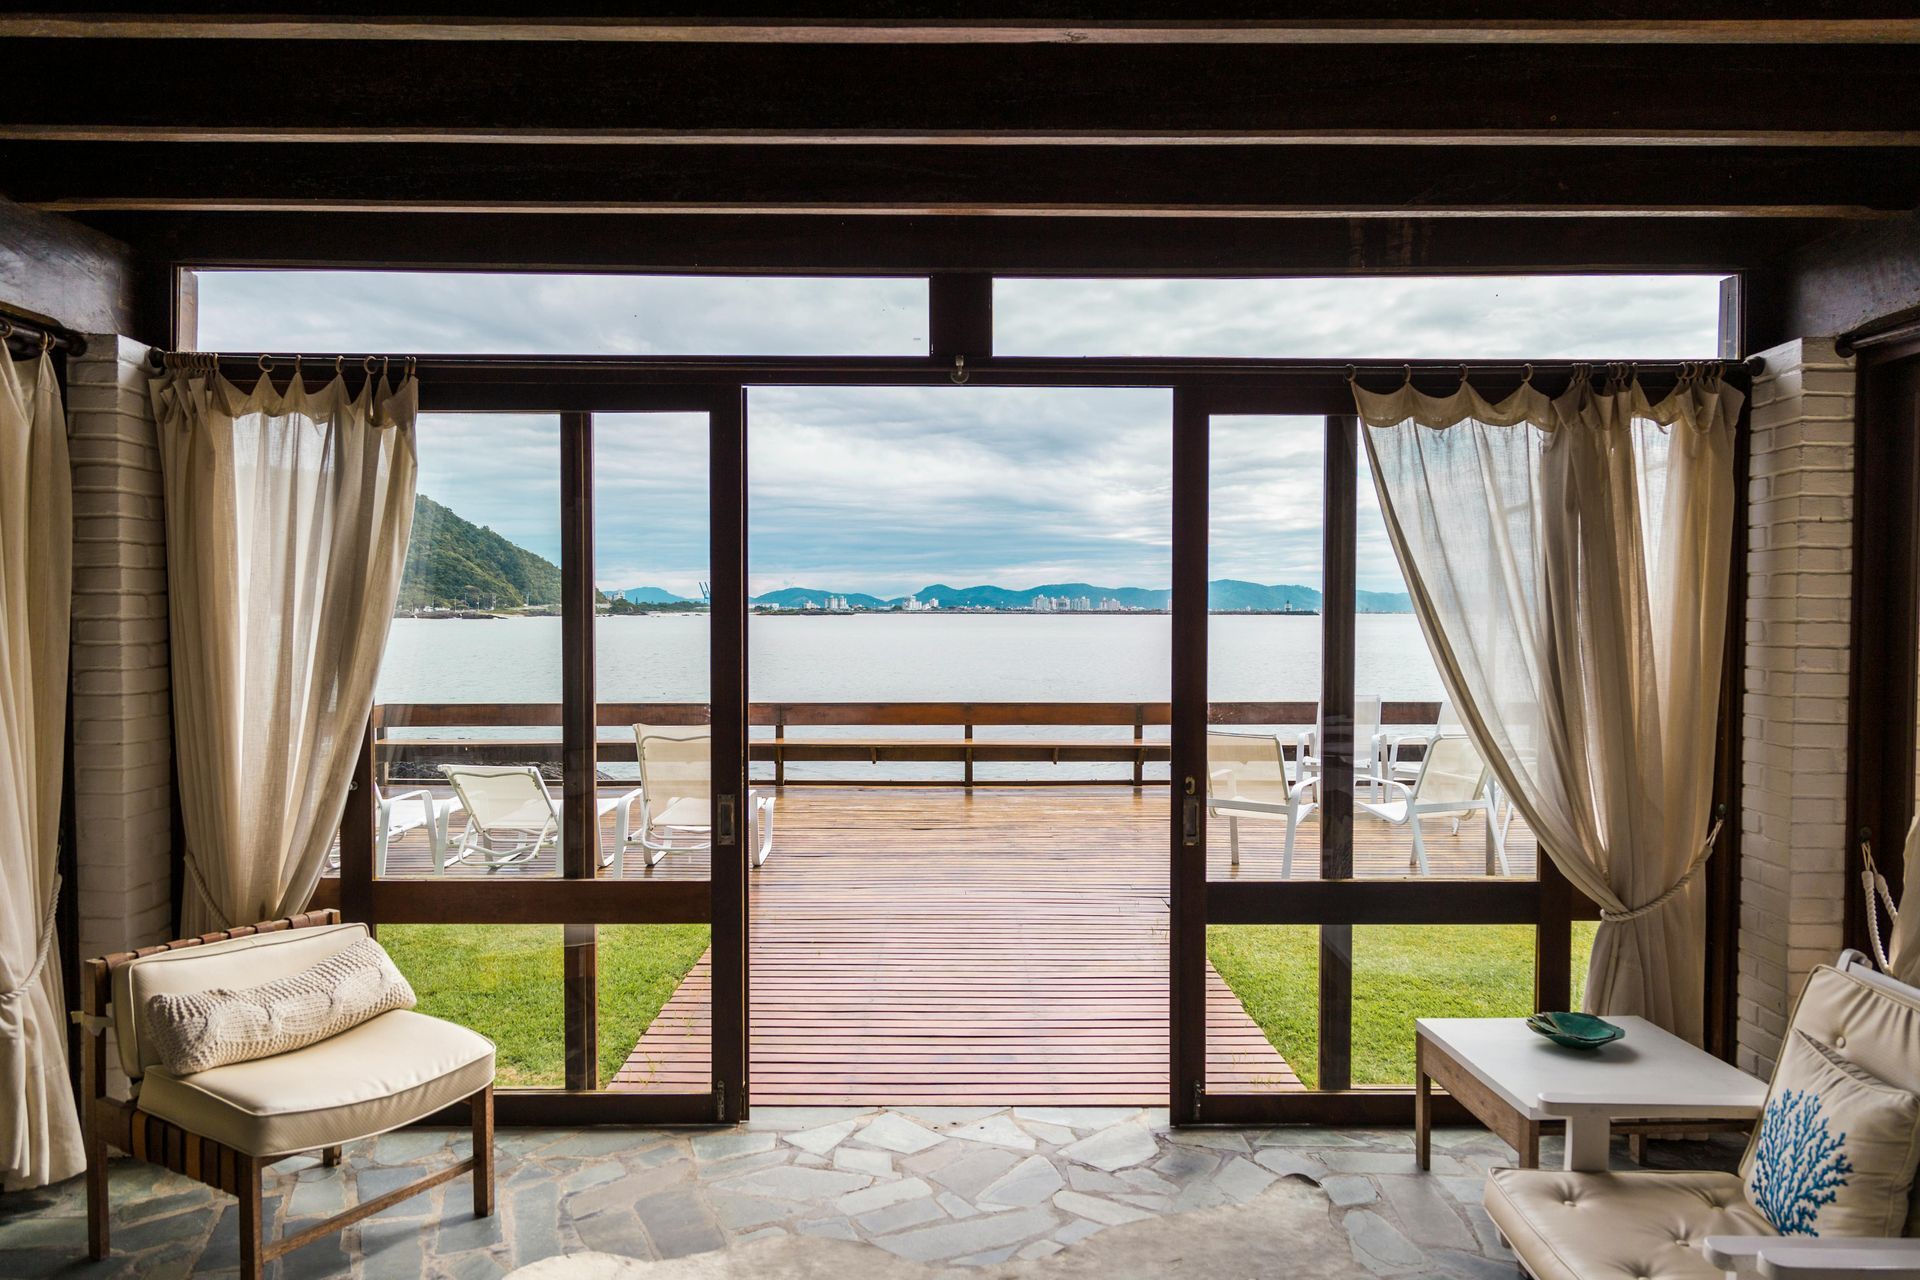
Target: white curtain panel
<point x="39" y="1132"/>
<point x="1568" y="560"/>
<point x="287" y="522"/>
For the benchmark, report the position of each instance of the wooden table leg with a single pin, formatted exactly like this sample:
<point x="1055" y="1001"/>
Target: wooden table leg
<point x="1422" y="1105"/>
<point x="1529" y="1148"/>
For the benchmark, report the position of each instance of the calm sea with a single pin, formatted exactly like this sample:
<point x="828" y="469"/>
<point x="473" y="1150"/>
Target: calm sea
<point x="899" y="658"/>
<point x="902" y="658"/>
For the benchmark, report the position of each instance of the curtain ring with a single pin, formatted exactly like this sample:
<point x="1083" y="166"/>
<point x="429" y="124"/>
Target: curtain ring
<point x="1353" y="374"/>
<point x="339" y="363"/>
<point x="266" y="363"/>
<point x="297" y="383"/>
<point x="1528" y="380"/>
<point x="46" y="343"/>
<point x="368" y="364"/>
<point x="1465" y="374"/>
<point x="6" y="330"/>
<point x="1408" y="370"/>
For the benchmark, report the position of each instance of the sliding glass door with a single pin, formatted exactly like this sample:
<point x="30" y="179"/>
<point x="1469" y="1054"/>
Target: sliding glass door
<point x="1340" y="862"/>
<point x="562" y="707"/>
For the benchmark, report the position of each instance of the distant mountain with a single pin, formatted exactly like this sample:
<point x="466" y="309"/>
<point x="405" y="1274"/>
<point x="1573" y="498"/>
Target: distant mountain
<point x="1223" y="594"/>
<point x="455" y="564"/>
<point x="1383" y="602"/>
<point x="649" y="595"/>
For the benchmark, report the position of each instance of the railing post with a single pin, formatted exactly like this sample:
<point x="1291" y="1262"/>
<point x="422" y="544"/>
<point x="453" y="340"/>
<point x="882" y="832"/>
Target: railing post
<point x="966" y="729"/>
<point x="779" y="746"/>
<point x="1139" y="746"/>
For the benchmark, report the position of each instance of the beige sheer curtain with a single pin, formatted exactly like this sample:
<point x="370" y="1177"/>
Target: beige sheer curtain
<point x="1568" y="560"/>
<point x="287" y="522"/>
<point x="39" y="1132"/>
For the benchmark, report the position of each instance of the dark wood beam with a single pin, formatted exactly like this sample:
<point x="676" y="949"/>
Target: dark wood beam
<point x="57" y="271"/>
<point x="1475" y="21"/>
<point x="366" y="91"/>
<point x="915" y="246"/>
<point x="1148" y="181"/>
<point x="1850" y="278"/>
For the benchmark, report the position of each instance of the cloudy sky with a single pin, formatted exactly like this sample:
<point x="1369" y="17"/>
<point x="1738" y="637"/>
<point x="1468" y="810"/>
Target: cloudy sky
<point x="885" y="490"/>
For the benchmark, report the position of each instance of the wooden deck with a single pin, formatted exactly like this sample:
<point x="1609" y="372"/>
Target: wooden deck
<point x="927" y="945"/>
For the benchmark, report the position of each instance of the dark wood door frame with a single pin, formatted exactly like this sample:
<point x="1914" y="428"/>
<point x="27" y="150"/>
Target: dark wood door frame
<point x="1884" y="678"/>
<point x="576" y="388"/>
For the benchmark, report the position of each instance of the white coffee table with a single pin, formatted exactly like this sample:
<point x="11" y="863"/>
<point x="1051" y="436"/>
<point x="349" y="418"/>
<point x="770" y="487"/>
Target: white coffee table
<point x="1513" y="1080"/>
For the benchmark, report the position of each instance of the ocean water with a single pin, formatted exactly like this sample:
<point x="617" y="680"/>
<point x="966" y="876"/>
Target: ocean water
<point x="902" y="658"/>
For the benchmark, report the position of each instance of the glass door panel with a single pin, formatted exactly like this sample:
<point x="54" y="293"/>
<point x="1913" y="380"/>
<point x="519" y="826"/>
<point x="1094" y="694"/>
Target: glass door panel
<point x="467" y="761"/>
<point x="653" y="743"/>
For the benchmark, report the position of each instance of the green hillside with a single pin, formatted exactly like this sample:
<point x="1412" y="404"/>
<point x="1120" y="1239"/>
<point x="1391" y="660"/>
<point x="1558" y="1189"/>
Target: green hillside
<point x="456" y="564"/>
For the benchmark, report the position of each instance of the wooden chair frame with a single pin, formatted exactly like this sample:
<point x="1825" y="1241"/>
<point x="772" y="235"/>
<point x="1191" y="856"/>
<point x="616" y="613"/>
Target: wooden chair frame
<point x="113" y="1125"/>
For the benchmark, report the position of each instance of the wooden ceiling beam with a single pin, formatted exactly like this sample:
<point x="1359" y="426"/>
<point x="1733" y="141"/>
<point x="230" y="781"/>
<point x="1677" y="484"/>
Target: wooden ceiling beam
<point x="1433" y="22"/>
<point x="1235" y="182"/>
<point x="540" y="93"/>
<point x="914" y="246"/>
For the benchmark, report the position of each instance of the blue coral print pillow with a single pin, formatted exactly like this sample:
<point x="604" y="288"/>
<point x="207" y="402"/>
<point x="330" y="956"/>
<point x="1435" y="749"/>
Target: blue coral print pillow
<point x="1835" y="1151"/>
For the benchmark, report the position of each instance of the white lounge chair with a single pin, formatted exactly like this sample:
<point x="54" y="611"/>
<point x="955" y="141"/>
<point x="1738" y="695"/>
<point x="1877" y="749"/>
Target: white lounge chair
<point x="396" y="815"/>
<point x="1247" y="778"/>
<point x="1451" y="783"/>
<point x="511" y="817"/>
<point x="1367" y="743"/>
<point x="1399" y="761"/>
<point x="676" y="797"/>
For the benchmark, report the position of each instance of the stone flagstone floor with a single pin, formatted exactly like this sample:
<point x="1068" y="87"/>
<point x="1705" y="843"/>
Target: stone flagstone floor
<point x="946" y="1185"/>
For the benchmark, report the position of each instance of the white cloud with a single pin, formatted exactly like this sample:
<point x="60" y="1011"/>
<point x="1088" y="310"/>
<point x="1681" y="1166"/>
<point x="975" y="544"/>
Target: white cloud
<point x="889" y="489"/>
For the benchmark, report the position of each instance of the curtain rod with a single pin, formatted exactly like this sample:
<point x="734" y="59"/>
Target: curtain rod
<point x="281" y="362"/>
<point x="37" y="336"/>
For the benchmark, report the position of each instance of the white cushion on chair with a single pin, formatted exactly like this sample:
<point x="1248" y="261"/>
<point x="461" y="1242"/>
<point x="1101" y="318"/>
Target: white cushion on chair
<point x="1579" y="1226"/>
<point x="393" y="1070"/>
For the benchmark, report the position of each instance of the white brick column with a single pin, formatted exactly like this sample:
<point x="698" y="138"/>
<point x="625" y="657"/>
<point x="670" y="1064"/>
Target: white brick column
<point x="122" y="715"/>
<point x="1794" y="727"/>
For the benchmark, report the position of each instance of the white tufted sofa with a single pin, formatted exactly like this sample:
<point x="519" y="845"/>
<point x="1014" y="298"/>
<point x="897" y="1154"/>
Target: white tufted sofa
<point x="1596" y="1225"/>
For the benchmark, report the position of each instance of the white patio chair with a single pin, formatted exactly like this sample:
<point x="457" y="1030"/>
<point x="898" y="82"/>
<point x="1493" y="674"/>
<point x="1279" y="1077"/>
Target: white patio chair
<point x="511" y="817"/>
<point x="676" y="797"/>
<point x="1367" y="743"/>
<point x="1397" y="759"/>
<point x="1451" y="783"/>
<point x="396" y="815"/>
<point x="1247" y="778"/>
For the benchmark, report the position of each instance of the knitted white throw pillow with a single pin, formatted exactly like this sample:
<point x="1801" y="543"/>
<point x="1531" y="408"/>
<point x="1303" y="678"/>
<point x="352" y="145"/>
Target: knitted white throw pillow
<point x="199" y="1030"/>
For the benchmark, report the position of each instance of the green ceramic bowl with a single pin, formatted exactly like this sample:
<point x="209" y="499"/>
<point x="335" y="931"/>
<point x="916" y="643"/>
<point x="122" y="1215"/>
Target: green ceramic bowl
<point x="1575" y="1030"/>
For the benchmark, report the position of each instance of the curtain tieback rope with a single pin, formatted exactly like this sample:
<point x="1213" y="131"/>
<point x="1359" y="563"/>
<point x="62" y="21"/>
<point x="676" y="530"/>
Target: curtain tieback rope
<point x="1686" y="878"/>
<point x="1876" y="886"/>
<point x="206" y="895"/>
<point x="46" y="947"/>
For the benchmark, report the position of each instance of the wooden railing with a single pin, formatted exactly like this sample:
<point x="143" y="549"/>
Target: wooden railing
<point x="782" y="747"/>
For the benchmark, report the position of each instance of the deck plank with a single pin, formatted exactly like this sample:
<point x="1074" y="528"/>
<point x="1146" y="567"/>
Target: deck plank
<point x="927" y="945"/>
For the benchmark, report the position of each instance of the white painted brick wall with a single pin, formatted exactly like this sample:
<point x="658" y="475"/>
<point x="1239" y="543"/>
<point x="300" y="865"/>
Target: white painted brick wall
<point x="122" y="717"/>
<point x="1799" y="594"/>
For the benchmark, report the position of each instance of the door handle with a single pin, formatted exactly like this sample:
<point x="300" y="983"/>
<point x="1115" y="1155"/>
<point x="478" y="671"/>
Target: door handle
<point x="723" y="820"/>
<point x="1190" y="821"/>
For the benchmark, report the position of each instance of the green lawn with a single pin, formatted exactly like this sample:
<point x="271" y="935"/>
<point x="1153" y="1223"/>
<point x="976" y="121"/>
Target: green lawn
<point x="1400" y="972"/>
<point x="504" y="981"/>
